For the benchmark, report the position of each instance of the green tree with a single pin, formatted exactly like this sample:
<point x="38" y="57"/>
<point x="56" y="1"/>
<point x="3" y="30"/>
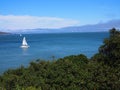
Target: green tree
<point x="111" y="48"/>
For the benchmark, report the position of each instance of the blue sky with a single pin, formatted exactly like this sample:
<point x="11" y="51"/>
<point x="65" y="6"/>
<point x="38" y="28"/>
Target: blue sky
<point x="54" y="12"/>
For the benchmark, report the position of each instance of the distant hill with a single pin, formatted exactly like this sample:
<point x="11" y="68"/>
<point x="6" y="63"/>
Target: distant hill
<point x="94" y="28"/>
<point x="100" y="27"/>
<point x="4" y="33"/>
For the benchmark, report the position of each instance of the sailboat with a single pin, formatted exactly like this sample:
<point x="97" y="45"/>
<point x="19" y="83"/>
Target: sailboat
<point x="20" y="34"/>
<point x="24" y="43"/>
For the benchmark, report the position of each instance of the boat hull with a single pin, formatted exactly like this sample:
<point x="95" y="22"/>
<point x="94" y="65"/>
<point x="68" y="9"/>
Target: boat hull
<point x="24" y="46"/>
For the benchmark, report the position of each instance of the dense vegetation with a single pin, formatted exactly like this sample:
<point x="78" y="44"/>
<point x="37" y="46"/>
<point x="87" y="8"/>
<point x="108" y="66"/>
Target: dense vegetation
<point x="75" y="72"/>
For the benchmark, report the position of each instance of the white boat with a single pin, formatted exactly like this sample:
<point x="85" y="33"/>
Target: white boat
<point x="20" y="34"/>
<point x="24" y="43"/>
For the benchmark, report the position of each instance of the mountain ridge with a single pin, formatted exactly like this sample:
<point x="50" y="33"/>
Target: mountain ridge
<point x="99" y="27"/>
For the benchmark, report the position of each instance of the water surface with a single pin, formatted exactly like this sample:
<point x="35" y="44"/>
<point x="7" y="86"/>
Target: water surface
<point x="45" y="46"/>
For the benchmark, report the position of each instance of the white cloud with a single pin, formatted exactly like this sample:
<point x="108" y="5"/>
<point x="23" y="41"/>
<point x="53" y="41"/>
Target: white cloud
<point x="30" y="22"/>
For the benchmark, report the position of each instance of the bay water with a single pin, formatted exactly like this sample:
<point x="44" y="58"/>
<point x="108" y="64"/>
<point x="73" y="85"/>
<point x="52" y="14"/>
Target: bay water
<point x="45" y="46"/>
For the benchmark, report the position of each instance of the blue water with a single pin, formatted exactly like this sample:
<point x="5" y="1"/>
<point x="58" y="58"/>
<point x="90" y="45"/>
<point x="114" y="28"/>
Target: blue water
<point x="44" y="46"/>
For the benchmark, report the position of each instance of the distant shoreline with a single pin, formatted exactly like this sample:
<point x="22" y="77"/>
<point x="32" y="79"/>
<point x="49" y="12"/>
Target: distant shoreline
<point x="4" y="33"/>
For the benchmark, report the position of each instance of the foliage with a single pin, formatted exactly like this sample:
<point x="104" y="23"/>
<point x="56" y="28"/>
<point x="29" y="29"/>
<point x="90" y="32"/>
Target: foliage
<point x="111" y="48"/>
<point x="75" y="72"/>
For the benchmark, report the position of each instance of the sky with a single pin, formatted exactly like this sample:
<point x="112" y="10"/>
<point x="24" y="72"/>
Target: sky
<point x="30" y="14"/>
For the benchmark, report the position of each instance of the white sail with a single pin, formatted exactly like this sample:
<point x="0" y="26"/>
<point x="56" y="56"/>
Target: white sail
<point x="24" y="43"/>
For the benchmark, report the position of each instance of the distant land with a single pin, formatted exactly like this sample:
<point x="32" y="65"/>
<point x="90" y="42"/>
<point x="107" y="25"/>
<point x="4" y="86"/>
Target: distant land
<point x="1" y="33"/>
<point x="100" y="27"/>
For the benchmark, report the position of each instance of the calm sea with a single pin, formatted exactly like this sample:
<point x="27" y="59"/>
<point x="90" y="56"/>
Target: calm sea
<point x="44" y="46"/>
